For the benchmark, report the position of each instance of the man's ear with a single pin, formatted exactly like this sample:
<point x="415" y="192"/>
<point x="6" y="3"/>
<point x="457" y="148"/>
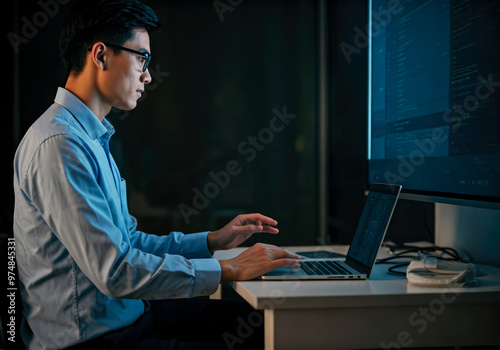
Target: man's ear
<point x="99" y="55"/>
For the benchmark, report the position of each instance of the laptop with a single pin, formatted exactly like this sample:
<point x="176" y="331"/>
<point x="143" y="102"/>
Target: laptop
<point x="362" y="253"/>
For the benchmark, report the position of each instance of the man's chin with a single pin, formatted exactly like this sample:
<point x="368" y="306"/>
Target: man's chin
<point x="128" y="107"/>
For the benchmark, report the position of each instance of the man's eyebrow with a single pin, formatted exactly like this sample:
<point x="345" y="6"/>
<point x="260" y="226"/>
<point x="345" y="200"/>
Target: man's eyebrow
<point x="143" y="50"/>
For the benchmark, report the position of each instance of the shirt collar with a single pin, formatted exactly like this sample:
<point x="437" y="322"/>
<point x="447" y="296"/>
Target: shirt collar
<point x="93" y="127"/>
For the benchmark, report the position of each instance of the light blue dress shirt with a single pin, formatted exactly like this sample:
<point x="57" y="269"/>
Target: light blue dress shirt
<point x="83" y="266"/>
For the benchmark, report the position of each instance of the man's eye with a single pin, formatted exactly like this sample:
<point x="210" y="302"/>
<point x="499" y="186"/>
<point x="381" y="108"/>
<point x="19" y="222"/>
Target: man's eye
<point x="141" y="58"/>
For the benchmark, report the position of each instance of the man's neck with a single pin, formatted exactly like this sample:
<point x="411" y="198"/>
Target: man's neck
<point x="84" y="89"/>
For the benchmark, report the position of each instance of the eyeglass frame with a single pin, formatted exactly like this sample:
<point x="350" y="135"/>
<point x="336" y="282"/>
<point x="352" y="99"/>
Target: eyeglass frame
<point x="146" y="55"/>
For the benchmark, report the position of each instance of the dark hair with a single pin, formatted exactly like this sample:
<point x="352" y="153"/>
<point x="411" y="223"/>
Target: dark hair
<point x="101" y="20"/>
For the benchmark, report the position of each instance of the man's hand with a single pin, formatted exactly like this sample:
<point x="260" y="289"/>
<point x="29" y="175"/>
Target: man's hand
<point x="239" y="230"/>
<point x="257" y="261"/>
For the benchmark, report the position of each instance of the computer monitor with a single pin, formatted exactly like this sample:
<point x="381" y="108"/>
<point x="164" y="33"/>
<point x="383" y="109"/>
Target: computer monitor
<point x="434" y="100"/>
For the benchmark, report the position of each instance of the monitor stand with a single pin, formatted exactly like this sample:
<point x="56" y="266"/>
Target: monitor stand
<point x="475" y="231"/>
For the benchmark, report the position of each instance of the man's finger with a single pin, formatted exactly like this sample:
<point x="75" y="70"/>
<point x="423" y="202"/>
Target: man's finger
<point x="247" y="229"/>
<point x="285" y="262"/>
<point x="259" y="219"/>
<point x="251" y="229"/>
<point x="270" y="229"/>
<point x="284" y="254"/>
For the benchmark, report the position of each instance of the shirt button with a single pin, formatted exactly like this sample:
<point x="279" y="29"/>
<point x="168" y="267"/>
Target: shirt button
<point x="205" y="292"/>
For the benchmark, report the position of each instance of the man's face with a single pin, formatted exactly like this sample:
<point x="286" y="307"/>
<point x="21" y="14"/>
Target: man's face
<point x="124" y="81"/>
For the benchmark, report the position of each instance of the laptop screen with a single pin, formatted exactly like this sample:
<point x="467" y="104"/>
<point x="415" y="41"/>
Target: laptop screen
<point x="372" y="225"/>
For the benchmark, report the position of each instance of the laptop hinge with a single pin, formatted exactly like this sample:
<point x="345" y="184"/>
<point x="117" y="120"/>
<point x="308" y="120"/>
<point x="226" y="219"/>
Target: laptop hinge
<point x="358" y="266"/>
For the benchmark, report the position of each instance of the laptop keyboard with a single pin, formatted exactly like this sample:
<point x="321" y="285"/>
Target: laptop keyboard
<point x="323" y="267"/>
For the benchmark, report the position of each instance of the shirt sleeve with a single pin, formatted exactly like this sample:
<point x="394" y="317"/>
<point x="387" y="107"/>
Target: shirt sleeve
<point x="191" y="246"/>
<point x="62" y="182"/>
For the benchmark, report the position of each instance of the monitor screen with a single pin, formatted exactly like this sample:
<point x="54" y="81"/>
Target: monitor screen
<point x="434" y="96"/>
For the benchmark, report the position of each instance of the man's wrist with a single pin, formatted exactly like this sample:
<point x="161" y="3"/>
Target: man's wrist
<point x="211" y="242"/>
<point x="228" y="273"/>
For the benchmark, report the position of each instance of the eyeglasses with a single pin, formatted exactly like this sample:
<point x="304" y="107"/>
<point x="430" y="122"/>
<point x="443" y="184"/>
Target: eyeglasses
<point x="145" y="55"/>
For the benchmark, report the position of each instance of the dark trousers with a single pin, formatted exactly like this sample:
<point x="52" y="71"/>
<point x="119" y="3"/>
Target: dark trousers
<point x="197" y="323"/>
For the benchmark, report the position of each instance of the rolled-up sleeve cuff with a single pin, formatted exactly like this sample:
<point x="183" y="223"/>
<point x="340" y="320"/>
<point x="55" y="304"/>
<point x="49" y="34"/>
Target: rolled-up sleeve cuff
<point x="194" y="245"/>
<point x="208" y="274"/>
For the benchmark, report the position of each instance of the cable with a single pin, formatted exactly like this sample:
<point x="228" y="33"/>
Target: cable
<point x="409" y="248"/>
<point x="412" y="252"/>
<point x="392" y="270"/>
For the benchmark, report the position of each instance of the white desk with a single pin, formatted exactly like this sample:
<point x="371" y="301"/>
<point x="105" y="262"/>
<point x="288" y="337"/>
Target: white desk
<point x="381" y="312"/>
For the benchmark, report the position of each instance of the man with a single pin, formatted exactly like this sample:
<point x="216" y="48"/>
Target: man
<point x="88" y="278"/>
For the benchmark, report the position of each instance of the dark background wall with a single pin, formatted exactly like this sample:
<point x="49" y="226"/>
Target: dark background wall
<point x="219" y="81"/>
<point x="412" y="221"/>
